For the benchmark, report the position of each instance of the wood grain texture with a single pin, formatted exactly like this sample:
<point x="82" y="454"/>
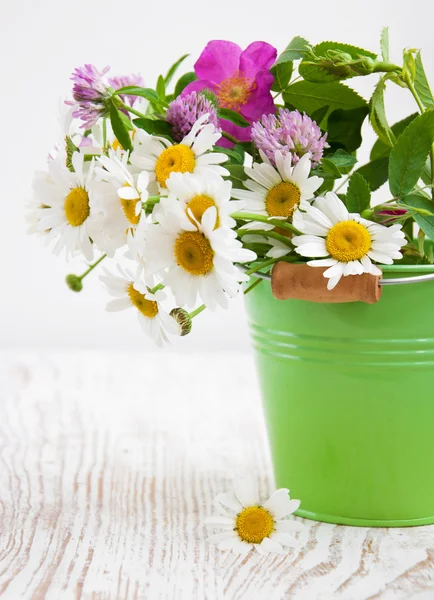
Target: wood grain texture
<point x="108" y="464"/>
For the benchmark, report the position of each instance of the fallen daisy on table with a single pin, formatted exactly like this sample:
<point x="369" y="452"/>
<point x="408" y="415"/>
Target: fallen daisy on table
<point x="247" y="523"/>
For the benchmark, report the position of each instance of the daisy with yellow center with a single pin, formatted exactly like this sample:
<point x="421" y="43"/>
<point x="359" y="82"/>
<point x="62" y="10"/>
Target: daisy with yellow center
<point x="196" y="258"/>
<point x="122" y="204"/>
<point x="343" y="241"/>
<point x="248" y="523"/>
<point x="277" y="191"/>
<point x="197" y="193"/>
<point x="160" y="158"/>
<point x="129" y="292"/>
<point x="70" y="212"/>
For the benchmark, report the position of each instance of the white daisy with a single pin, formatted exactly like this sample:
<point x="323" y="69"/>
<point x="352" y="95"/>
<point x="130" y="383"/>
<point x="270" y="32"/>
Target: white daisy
<point x="196" y="193"/>
<point x="277" y="192"/>
<point x="195" y="258"/>
<point x="160" y="158"/>
<point x="68" y="198"/>
<point x="249" y="524"/>
<point x="344" y="241"/>
<point x="131" y="293"/>
<point x="122" y="205"/>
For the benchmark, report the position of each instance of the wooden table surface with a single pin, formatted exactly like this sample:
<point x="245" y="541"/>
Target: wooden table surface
<point x="109" y="463"/>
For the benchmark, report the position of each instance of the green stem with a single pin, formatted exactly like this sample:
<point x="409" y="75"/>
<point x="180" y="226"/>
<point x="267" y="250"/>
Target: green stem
<point x="197" y="311"/>
<point x="254" y="284"/>
<point x="270" y="234"/>
<point x="91" y="267"/>
<point x="263" y="265"/>
<point x="341" y="185"/>
<point x="133" y="110"/>
<point x="104" y="134"/>
<point x="229" y="137"/>
<point x="422" y="110"/>
<point x="159" y="286"/>
<point x="245" y="216"/>
<point x="383" y="67"/>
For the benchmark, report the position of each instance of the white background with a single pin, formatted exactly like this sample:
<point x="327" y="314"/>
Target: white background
<point x="42" y="41"/>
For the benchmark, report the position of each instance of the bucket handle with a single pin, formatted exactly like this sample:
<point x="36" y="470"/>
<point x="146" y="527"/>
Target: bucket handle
<point x="392" y="281"/>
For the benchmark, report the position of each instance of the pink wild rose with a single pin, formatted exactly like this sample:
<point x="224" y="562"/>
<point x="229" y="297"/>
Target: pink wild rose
<point x="240" y="79"/>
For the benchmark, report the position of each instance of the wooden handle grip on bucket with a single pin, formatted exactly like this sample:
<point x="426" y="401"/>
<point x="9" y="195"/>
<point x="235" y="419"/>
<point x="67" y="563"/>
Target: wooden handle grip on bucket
<point x="302" y="282"/>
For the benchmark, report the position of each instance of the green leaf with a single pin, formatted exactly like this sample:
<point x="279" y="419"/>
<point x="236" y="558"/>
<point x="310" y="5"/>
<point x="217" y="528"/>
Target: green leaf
<point x="380" y="148"/>
<point x="310" y="97"/>
<point x="282" y="74"/>
<point x="319" y="115"/>
<point x="297" y="48"/>
<point x="119" y="128"/>
<point x="377" y="115"/>
<point x="171" y="72"/>
<point x="233" y="117"/>
<point x="235" y="158"/>
<point x="330" y="167"/>
<point x="183" y="82"/>
<point x="408" y="156"/>
<point x="161" y="87"/>
<point x="375" y="172"/>
<point x="425" y="222"/>
<point x="342" y="159"/>
<point x="153" y="126"/>
<point x="384" y="44"/>
<point x="358" y="194"/>
<point x="237" y="172"/>
<point x="126" y="120"/>
<point x="326" y="186"/>
<point x="133" y="90"/>
<point x="421" y="84"/>
<point x="344" y="127"/>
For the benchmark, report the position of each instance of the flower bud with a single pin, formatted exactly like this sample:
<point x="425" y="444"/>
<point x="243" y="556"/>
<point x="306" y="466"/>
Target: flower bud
<point x="74" y="282"/>
<point x="364" y="66"/>
<point x="183" y="319"/>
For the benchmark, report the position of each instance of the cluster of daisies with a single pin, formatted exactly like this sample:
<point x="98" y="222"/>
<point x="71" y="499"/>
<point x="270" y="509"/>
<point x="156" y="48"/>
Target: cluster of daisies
<point x="147" y="182"/>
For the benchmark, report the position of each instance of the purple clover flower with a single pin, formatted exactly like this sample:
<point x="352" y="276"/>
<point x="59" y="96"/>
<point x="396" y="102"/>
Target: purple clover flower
<point x="289" y="132"/>
<point x="89" y="92"/>
<point x="184" y="111"/>
<point x="121" y="81"/>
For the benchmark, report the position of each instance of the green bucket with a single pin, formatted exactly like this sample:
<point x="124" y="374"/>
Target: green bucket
<point x="348" y="392"/>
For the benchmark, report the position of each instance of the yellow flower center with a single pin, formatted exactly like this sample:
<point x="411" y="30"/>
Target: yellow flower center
<point x="282" y="199"/>
<point x="76" y="206"/>
<point x="253" y="524"/>
<point x="129" y="208"/>
<point x="198" y="206"/>
<point x="235" y="91"/>
<point x="347" y="241"/>
<point x="148" y="308"/>
<point x="193" y="253"/>
<point x="176" y="159"/>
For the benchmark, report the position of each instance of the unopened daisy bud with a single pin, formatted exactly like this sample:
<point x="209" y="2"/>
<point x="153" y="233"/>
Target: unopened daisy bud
<point x="183" y="319"/>
<point x="74" y="282"/>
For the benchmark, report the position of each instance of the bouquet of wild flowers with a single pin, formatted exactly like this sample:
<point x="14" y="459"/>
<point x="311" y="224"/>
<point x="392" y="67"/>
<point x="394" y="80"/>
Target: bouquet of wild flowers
<point x="242" y="164"/>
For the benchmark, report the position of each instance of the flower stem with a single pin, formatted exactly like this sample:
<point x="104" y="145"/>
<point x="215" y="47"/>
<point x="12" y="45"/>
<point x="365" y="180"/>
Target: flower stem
<point x="91" y="267"/>
<point x="267" y="263"/>
<point x="197" y="311"/>
<point x="104" y="135"/>
<point x="245" y="216"/>
<point x="159" y="286"/>
<point x="133" y="110"/>
<point x="422" y="110"/>
<point x="229" y="137"/>
<point x="254" y="284"/>
<point x="264" y="233"/>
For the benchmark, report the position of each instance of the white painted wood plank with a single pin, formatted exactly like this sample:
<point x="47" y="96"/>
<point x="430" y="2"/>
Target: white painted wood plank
<point x="108" y="464"/>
